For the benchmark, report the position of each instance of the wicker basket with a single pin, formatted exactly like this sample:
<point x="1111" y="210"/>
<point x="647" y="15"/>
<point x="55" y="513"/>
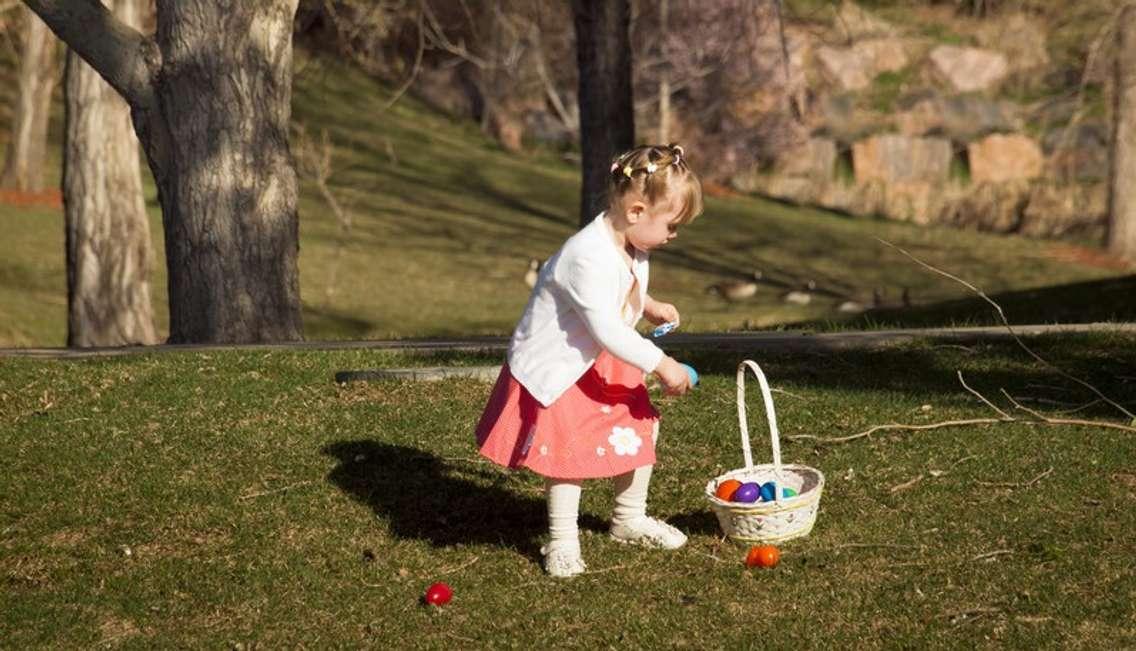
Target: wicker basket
<point x="783" y="518"/>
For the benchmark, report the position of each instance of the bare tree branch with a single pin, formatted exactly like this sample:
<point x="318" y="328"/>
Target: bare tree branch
<point x="1006" y="323"/>
<point x="417" y="61"/>
<point x="437" y="37"/>
<point x="1005" y="418"/>
<point x="118" y="52"/>
<point x="981" y="397"/>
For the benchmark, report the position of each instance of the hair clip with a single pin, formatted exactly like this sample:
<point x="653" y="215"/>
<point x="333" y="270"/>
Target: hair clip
<point x="651" y="167"/>
<point x="614" y="166"/>
<point x="627" y="171"/>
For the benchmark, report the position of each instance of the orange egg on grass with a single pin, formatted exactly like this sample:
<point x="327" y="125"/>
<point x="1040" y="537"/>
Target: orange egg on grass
<point x="763" y="556"/>
<point x="726" y="489"/>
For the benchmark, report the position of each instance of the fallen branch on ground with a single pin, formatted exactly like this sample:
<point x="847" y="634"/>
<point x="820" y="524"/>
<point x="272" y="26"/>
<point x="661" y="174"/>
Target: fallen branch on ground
<point x="1042" y="419"/>
<point x="1010" y="329"/>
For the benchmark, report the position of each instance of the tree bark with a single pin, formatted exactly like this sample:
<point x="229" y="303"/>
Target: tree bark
<point x="665" y="75"/>
<point x="25" y="159"/>
<point x="607" y="119"/>
<point x="210" y="96"/>
<point x="1122" y="173"/>
<point x="109" y="256"/>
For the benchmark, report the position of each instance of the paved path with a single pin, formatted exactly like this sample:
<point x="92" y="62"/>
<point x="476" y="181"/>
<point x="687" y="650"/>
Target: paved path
<point x="788" y="340"/>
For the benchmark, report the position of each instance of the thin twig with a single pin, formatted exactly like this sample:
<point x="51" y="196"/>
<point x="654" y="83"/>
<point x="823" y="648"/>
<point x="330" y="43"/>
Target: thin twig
<point x="870" y="545"/>
<point x="964" y="615"/>
<point x="711" y="556"/>
<point x="1081" y="408"/>
<point x="1010" y="329"/>
<point x="996" y="552"/>
<point x="1068" y="421"/>
<point x="966" y="458"/>
<point x="1004" y="415"/>
<point x="1005" y="484"/>
<point x="451" y="570"/>
<point x="791" y="395"/>
<point x="275" y="490"/>
<point x="895" y="426"/>
<point x="417" y="61"/>
<point x="905" y="485"/>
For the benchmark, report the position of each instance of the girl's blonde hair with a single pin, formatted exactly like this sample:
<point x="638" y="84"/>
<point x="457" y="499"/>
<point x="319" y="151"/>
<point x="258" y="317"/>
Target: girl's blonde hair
<point x="653" y="172"/>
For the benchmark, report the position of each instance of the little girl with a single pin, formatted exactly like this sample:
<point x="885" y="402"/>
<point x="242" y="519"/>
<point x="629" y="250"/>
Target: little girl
<point x="571" y="404"/>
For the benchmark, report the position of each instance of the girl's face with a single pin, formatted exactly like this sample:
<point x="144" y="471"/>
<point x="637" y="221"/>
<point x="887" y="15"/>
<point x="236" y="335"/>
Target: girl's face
<point x="653" y="226"/>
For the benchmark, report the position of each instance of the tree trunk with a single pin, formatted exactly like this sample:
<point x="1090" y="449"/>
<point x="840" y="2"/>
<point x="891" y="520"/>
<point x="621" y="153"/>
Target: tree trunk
<point x="1122" y="174"/>
<point x="227" y="179"/>
<point x="211" y="98"/>
<point x="665" y="75"/>
<point x="607" y="119"/>
<point x="108" y="235"/>
<point x="25" y="160"/>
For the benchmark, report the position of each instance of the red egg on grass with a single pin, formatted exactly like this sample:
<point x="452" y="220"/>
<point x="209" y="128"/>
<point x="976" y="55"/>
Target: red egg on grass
<point x="438" y="594"/>
<point x="764" y="556"/>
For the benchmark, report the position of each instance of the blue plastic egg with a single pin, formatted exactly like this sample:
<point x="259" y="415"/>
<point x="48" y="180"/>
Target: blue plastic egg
<point x="768" y="491"/>
<point x="747" y="492"/>
<point x="788" y="492"/>
<point x="692" y="373"/>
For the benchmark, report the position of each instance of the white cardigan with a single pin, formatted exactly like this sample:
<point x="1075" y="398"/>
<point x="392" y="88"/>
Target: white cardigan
<point x="575" y="311"/>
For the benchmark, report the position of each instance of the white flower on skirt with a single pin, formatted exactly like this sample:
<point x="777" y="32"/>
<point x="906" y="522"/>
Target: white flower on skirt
<point x="625" y="441"/>
<point x="544" y="450"/>
<point x="606" y="409"/>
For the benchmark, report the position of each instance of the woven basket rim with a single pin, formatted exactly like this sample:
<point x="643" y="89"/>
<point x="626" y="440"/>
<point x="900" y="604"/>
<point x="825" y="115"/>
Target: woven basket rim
<point x="786" y="503"/>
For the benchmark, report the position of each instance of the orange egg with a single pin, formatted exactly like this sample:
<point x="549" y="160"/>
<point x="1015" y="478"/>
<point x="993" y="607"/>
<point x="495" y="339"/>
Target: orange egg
<point x="726" y="489"/>
<point x="763" y="556"/>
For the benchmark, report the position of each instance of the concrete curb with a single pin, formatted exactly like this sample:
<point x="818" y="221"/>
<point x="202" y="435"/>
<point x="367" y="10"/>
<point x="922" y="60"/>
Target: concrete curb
<point x="756" y="341"/>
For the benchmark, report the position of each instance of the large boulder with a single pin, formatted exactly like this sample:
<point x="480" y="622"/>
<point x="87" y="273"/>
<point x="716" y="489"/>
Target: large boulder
<point x="815" y="159"/>
<point x="1018" y="36"/>
<point x="855" y="66"/>
<point x="959" y="117"/>
<point x="998" y="158"/>
<point x="1077" y="153"/>
<point x="855" y="23"/>
<point x="838" y="116"/>
<point x="1057" y="209"/>
<point x="912" y="201"/>
<point x="893" y="158"/>
<point x="997" y="207"/>
<point x="968" y="69"/>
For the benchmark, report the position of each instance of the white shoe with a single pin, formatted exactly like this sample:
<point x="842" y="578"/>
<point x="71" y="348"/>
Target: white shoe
<point x="562" y="561"/>
<point x="648" y="532"/>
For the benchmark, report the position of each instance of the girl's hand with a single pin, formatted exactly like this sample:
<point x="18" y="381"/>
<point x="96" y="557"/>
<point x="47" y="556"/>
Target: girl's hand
<point x="673" y="376"/>
<point x="659" y="313"/>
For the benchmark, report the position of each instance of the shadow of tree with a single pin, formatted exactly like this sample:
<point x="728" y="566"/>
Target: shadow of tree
<point x="324" y="322"/>
<point x="932" y="370"/>
<point x="425" y="497"/>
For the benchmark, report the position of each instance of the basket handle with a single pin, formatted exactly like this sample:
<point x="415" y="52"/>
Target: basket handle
<point x="767" y="395"/>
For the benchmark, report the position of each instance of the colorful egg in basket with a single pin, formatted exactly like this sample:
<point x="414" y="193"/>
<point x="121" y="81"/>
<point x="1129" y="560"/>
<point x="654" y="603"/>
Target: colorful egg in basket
<point x="782" y="518"/>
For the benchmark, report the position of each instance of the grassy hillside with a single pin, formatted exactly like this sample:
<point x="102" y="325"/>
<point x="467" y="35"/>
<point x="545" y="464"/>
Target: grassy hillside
<point x="443" y="223"/>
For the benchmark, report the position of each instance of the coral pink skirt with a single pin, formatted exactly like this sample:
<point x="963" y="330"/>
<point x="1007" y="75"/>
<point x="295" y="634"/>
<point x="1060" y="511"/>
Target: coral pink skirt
<point x="602" y="426"/>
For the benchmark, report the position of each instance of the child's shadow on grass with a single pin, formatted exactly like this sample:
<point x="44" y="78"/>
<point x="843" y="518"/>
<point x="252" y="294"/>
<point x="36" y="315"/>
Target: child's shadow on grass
<point x="429" y="498"/>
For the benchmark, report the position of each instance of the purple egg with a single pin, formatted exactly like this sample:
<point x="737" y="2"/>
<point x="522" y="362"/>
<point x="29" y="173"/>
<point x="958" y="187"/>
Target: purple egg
<point x="747" y="492"/>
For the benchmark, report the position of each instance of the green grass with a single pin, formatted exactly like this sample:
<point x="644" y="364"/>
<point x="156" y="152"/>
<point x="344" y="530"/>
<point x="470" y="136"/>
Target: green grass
<point x="445" y="222"/>
<point x="263" y="504"/>
<point x="887" y="88"/>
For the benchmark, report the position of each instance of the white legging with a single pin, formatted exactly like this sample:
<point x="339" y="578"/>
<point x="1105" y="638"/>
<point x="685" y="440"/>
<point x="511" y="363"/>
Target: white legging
<point x="564" y="504"/>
